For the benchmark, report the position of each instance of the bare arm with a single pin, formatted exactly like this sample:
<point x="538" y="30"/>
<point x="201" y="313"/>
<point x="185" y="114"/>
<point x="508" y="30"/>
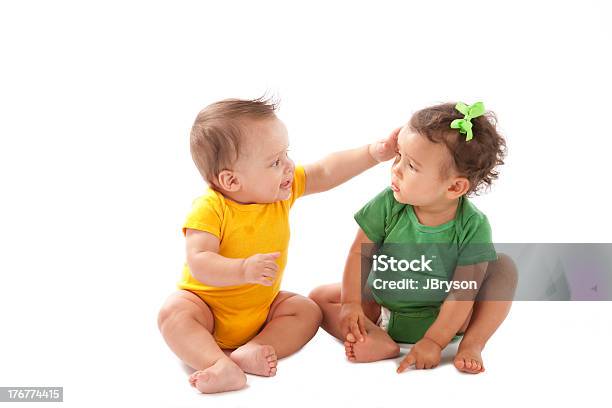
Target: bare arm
<point x="210" y="268"/>
<point x="352" y="318"/>
<point x="336" y="169"/>
<point x="351" y="279"/>
<point x="457" y="306"/>
<point x="340" y="167"/>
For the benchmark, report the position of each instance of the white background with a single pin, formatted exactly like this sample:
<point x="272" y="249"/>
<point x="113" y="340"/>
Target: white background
<point x="96" y="102"/>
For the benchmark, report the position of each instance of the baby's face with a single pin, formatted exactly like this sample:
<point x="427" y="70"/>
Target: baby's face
<point x="264" y="168"/>
<point x="416" y="176"/>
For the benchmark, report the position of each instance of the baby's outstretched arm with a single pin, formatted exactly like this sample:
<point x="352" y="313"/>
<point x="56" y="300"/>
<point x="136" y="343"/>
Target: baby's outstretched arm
<point x="339" y="167"/>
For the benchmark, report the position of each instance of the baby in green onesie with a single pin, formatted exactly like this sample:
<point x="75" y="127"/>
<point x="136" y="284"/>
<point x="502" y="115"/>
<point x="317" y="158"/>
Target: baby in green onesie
<point x="422" y="268"/>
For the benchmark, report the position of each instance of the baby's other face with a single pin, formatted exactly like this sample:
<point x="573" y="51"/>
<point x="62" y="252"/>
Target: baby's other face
<point x="264" y="168"/>
<point x="416" y="176"/>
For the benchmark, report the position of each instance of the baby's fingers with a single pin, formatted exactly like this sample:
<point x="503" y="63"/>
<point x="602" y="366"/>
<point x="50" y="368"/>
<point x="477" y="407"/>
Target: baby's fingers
<point x="407" y="362"/>
<point x="420" y="364"/>
<point x="265" y="281"/>
<point x="345" y="328"/>
<point x="355" y="330"/>
<point x="271" y="255"/>
<point x="395" y="133"/>
<point x="266" y="278"/>
<point x="269" y="271"/>
<point x="362" y="329"/>
<point x="270" y="265"/>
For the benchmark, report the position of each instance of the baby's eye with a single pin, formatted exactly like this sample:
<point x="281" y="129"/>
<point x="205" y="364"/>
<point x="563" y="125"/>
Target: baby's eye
<point x="276" y="163"/>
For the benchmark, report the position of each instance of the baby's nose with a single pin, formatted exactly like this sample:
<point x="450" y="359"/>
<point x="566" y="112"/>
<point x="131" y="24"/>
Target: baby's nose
<point x="395" y="170"/>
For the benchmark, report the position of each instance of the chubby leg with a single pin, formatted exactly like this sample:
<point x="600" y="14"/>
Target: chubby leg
<point x="292" y="321"/>
<point x="186" y="323"/>
<point x="377" y="345"/>
<point x="487" y="315"/>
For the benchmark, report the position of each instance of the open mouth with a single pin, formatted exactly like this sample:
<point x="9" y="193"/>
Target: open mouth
<point x="286" y="184"/>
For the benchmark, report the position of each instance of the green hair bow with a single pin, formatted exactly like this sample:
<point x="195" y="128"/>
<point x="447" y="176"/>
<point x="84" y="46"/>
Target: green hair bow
<point x="465" y="125"/>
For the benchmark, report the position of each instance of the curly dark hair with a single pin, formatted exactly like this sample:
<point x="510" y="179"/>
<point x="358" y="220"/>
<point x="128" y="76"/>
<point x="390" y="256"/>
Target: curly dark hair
<point x="475" y="160"/>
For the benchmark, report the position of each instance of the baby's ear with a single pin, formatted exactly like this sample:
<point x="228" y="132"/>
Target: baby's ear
<point x="228" y="181"/>
<point x="459" y="187"/>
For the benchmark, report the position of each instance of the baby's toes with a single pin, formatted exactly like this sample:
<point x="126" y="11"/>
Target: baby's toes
<point x="473" y="366"/>
<point x="350" y="353"/>
<point x="193" y="378"/>
<point x="459" y="363"/>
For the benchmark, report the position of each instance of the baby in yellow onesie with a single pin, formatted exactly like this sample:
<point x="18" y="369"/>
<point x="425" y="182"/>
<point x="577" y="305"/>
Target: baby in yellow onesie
<point x="230" y="316"/>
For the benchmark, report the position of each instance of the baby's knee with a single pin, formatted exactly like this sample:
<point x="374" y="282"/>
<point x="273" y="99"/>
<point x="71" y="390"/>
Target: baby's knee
<point x="173" y="311"/>
<point x="501" y="280"/>
<point x="317" y="294"/>
<point x="311" y="310"/>
<point x="506" y="268"/>
<point x="163" y="316"/>
<point x="322" y="294"/>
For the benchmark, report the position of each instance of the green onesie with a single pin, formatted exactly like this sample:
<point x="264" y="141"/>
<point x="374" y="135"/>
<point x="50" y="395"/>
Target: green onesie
<point x="430" y="256"/>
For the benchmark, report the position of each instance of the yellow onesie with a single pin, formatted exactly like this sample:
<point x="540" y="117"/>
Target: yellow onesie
<point x="243" y="230"/>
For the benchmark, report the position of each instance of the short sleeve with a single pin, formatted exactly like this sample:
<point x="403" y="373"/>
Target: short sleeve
<point x="299" y="184"/>
<point x="206" y="214"/>
<point x="476" y="242"/>
<point x="372" y="216"/>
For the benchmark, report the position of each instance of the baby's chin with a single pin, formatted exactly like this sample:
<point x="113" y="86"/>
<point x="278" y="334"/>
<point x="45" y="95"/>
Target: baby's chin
<point x="400" y="199"/>
<point x="280" y="196"/>
<point x="284" y="195"/>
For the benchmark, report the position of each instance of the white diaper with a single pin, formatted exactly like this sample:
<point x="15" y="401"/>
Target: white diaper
<point x="383" y="319"/>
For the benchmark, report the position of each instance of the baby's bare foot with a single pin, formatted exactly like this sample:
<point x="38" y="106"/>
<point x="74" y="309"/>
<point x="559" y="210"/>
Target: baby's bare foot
<point x="256" y="359"/>
<point x="222" y="376"/>
<point x="468" y="358"/>
<point x="376" y="346"/>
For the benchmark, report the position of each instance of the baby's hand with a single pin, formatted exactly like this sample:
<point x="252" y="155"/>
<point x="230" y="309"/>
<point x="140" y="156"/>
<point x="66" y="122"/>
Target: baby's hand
<point x="260" y="268"/>
<point x="424" y="354"/>
<point x="352" y="322"/>
<point x="385" y="149"/>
